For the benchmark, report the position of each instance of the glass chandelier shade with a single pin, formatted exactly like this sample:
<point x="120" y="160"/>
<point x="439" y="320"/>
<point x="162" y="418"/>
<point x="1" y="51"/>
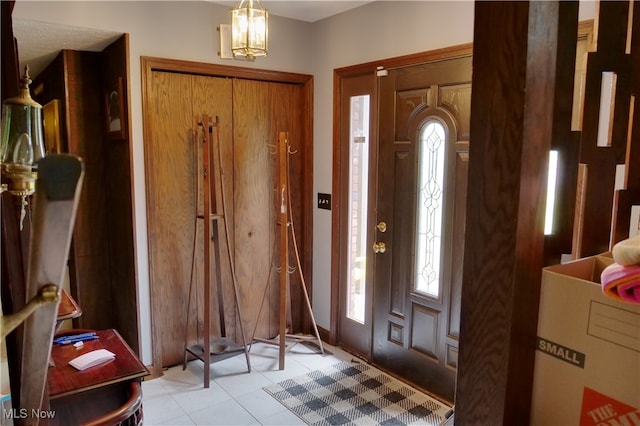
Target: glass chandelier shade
<point x="22" y="145"/>
<point x="249" y="30"/>
<point x="22" y="140"/>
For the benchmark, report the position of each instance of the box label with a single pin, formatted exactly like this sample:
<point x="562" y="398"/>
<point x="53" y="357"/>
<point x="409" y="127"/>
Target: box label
<point x="615" y="325"/>
<point x="599" y="409"/>
<point x="556" y="350"/>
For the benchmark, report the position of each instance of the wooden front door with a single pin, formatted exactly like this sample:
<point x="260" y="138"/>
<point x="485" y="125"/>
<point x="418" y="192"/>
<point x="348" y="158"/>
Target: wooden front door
<point x="423" y="139"/>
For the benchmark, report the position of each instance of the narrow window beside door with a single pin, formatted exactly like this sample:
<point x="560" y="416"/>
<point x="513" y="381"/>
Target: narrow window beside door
<point x="358" y="199"/>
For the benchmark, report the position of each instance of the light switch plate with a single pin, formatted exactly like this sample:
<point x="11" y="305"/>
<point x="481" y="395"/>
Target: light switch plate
<point x="324" y="201"/>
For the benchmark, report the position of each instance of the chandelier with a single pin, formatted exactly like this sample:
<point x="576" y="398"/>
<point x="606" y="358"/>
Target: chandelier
<point x="249" y="30"/>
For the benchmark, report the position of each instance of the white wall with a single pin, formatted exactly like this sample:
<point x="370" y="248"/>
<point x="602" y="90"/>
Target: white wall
<point x="187" y="30"/>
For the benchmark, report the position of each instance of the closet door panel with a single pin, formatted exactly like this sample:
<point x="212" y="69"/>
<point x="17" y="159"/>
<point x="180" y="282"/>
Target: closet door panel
<point x="169" y="164"/>
<point x="177" y="100"/>
<point x="254" y="173"/>
<point x="262" y="110"/>
<point x="211" y="96"/>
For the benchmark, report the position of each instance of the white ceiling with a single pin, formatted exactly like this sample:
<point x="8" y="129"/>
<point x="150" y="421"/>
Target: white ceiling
<point x="302" y="10"/>
<point x="40" y="42"/>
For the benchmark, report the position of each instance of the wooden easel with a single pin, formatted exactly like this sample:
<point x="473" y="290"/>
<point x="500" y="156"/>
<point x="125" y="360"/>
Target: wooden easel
<point x="214" y="213"/>
<point x="286" y="341"/>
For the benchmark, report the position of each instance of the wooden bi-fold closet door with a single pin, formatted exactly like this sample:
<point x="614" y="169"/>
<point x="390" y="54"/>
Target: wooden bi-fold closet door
<point x="251" y="114"/>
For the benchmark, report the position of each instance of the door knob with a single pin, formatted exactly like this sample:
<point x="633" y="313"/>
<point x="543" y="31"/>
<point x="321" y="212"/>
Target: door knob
<point x="379" y="247"/>
<point x="382" y="227"/>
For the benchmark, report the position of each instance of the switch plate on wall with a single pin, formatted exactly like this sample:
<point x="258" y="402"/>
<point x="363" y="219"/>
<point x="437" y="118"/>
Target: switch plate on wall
<point x="324" y="201"/>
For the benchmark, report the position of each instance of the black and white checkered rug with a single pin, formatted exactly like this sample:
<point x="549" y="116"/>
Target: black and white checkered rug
<point x="356" y="394"/>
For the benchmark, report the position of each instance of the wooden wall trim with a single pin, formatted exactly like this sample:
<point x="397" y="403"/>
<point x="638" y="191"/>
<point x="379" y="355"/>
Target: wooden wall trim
<point x="334" y="314"/>
<point x="308" y="204"/>
<point x="408" y="60"/>
<point x="175" y="65"/>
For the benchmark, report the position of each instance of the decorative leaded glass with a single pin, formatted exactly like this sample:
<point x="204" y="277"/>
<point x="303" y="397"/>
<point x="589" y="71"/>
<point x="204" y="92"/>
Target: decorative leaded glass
<point x="429" y="208"/>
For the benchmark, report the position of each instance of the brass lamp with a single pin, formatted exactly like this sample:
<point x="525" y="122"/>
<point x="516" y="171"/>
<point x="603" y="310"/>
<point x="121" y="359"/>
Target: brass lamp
<point x="22" y="144"/>
<point x="249" y="30"/>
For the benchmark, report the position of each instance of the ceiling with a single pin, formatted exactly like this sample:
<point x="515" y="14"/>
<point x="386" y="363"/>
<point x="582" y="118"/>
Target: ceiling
<point x="40" y="42"/>
<point x="303" y="10"/>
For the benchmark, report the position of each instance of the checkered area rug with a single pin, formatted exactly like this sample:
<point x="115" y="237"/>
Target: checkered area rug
<point x="356" y="394"/>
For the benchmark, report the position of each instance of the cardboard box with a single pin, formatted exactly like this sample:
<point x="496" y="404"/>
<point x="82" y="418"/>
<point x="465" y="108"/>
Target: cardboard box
<point x="587" y="365"/>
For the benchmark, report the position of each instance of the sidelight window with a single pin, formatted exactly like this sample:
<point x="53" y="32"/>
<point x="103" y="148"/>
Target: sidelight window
<point x="358" y="200"/>
<point x="429" y="208"/>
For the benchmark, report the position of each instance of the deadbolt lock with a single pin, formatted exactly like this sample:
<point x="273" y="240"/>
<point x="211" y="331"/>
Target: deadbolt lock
<point x="379" y="247"/>
<point x="382" y="227"/>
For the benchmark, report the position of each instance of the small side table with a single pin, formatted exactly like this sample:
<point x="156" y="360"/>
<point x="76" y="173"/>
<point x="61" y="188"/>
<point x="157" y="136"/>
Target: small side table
<point x="105" y="394"/>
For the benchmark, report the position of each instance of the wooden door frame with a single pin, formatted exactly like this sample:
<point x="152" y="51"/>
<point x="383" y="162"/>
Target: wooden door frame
<point x="337" y="209"/>
<point x="152" y="64"/>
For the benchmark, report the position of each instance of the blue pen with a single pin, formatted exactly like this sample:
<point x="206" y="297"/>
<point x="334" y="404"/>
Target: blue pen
<point x="74" y="337"/>
<point x="75" y="340"/>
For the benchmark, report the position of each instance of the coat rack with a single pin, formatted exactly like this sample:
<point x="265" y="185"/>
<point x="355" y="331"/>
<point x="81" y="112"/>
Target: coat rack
<point x="214" y="213"/>
<point x="283" y="340"/>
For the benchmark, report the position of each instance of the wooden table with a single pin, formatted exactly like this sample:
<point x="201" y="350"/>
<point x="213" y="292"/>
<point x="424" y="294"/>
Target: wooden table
<point x="108" y="393"/>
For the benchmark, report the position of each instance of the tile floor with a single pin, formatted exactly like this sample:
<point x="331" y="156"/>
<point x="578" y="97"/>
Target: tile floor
<point x="234" y="397"/>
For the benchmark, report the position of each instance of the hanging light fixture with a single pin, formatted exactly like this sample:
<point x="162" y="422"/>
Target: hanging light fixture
<point x="21" y="145"/>
<point x="249" y="30"/>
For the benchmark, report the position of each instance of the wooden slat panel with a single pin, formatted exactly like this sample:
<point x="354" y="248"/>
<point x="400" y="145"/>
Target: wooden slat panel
<point x="564" y="141"/>
<point x="631" y="195"/>
<point x="611" y="33"/>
